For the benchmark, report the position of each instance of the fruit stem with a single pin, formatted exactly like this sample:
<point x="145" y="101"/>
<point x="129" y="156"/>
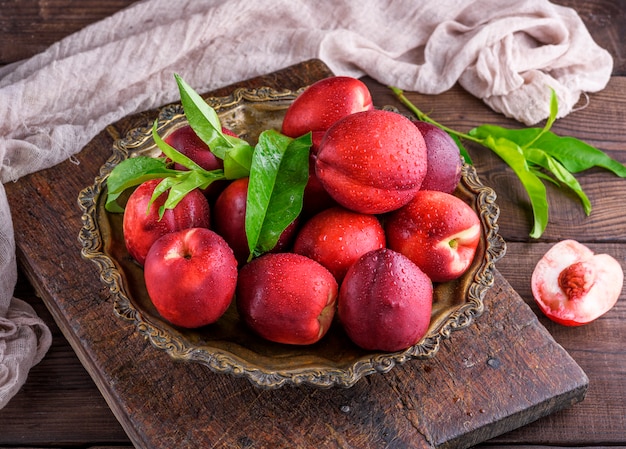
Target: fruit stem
<point x="399" y="93"/>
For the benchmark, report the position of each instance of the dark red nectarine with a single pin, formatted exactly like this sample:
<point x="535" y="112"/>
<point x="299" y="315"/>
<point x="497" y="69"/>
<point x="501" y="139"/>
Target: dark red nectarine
<point x="444" y="159"/>
<point x="385" y="302"/>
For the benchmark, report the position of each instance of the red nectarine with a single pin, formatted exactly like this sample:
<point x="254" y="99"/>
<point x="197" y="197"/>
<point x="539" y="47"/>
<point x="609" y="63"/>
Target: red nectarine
<point x="323" y="103"/>
<point x="372" y="162"/>
<point x="337" y="237"/>
<point x="438" y="231"/>
<point x="191" y="276"/>
<point x="287" y="298"/>
<point x="142" y="226"/>
<point x="385" y="302"/>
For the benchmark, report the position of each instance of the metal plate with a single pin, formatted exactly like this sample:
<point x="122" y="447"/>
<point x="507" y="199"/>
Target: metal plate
<point x="228" y="346"/>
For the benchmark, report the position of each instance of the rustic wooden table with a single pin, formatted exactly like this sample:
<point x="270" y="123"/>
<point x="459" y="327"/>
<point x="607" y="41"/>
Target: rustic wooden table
<point x="61" y="406"/>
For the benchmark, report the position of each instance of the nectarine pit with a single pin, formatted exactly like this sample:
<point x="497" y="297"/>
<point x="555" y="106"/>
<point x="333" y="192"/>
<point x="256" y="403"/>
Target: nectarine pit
<point x="577" y="279"/>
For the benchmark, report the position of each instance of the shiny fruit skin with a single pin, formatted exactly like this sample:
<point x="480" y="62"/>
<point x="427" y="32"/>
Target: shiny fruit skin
<point x="142" y="229"/>
<point x="229" y="220"/>
<point x="337" y="238"/>
<point x="445" y="165"/>
<point x="385" y="302"/>
<point x="372" y="162"/>
<point x="187" y="142"/>
<point x="323" y="103"/>
<point x="438" y="231"/>
<point x="191" y="276"/>
<point x="287" y="298"/>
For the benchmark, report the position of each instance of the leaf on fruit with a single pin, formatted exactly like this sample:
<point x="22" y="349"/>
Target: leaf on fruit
<point x="171" y="152"/>
<point x="132" y="172"/>
<point x="238" y="162"/>
<point x="180" y="182"/>
<point x="278" y="176"/>
<point x="203" y="119"/>
<point x="136" y="170"/>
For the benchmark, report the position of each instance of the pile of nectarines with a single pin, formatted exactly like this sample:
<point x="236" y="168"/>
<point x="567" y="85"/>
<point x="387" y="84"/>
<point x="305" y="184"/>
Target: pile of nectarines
<point x="379" y="226"/>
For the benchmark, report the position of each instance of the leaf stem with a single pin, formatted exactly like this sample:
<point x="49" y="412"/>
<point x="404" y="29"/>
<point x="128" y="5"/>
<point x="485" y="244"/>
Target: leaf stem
<point x="399" y="93"/>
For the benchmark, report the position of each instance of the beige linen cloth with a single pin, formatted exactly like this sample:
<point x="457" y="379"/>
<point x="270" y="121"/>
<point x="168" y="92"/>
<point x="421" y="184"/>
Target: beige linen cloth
<point x="506" y="52"/>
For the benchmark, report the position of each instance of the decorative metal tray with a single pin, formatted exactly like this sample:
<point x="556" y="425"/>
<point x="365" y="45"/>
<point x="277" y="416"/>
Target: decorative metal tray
<point x="228" y="346"/>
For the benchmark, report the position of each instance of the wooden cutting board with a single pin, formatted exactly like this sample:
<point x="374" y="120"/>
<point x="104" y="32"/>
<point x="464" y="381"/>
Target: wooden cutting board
<point x="501" y="373"/>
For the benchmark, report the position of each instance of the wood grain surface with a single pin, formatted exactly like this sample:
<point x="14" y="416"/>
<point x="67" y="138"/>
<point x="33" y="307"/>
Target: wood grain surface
<point x="61" y="406"/>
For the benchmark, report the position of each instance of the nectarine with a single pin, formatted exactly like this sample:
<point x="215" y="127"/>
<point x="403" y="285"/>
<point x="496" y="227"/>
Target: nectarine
<point x="337" y="237"/>
<point x="322" y="104"/>
<point x="574" y="286"/>
<point x="373" y="161"/>
<point x="191" y="276"/>
<point x="142" y="225"/>
<point x="287" y="298"/>
<point x="385" y="302"/>
<point x="444" y="159"/>
<point x="438" y="231"/>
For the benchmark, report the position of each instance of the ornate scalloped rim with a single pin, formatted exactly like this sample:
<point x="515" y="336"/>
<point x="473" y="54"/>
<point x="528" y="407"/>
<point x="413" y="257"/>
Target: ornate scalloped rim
<point x="222" y="362"/>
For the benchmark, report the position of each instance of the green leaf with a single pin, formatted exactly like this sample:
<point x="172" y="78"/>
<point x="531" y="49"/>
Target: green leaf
<point x="170" y="151"/>
<point x="279" y="174"/>
<point x="543" y="159"/>
<point x="180" y="185"/>
<point x="238" y="162"/>
<point x="543" y="175"/>
<point x="132" y="172"/>
<point x="512" y="154"/>
<point x="574" y="154"/>
<point x="577" y="155"/>
<point x="529" y="150"/>
<point x="521" y="137"/>
<point x="204" y="120"/>
<point x="179" y="182"/>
